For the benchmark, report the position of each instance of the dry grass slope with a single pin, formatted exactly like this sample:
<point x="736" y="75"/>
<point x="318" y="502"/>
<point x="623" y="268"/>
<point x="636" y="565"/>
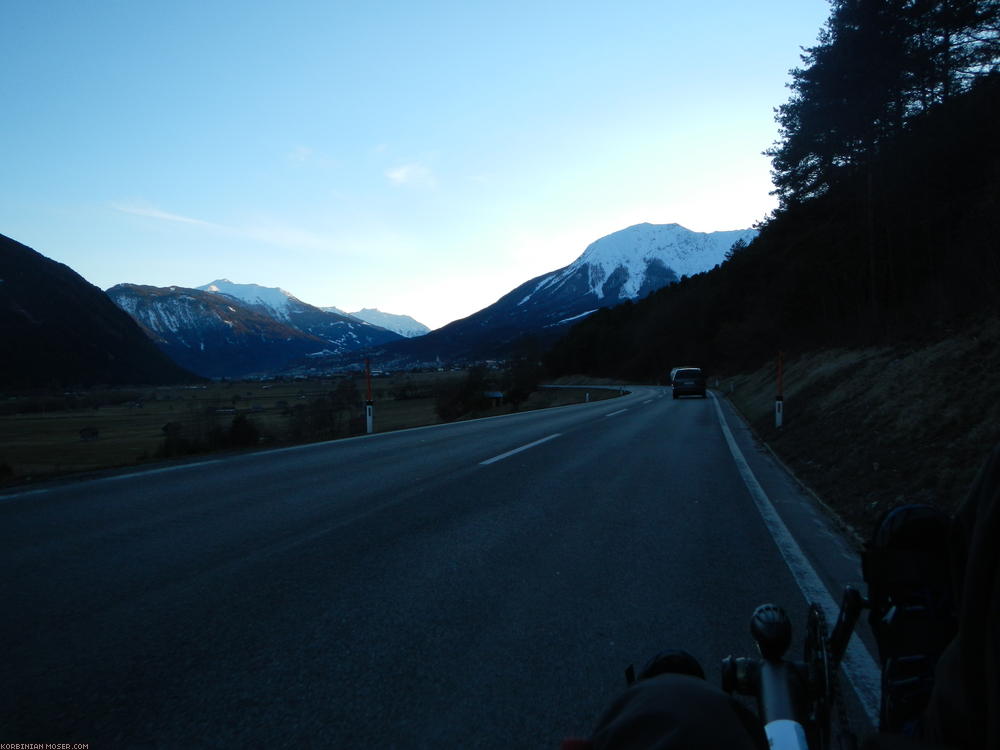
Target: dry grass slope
<point x="869" y="429"/>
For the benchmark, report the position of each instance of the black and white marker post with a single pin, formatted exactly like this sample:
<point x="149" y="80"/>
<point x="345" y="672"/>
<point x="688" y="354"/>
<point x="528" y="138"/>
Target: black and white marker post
<point x="779" y="401"/>
<point x="369" y="403"/>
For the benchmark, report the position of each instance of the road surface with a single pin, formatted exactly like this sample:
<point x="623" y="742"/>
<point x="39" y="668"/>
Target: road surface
<point x="480" y="584"/>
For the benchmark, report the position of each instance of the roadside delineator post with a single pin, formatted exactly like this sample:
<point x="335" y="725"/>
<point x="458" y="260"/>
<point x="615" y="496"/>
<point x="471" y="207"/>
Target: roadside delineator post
<point x="779" y="401"/>
<point x="369" y="402"/>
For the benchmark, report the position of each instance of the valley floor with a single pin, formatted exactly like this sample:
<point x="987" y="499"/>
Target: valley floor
<point x="47" y="435"/>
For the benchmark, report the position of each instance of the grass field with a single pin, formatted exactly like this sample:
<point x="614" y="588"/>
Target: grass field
<point x="47" y="435"/>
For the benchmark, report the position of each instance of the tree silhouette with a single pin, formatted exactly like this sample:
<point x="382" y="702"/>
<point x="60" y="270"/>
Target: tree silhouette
<point x="737" y="247"/>
<point x="878" y="65"/>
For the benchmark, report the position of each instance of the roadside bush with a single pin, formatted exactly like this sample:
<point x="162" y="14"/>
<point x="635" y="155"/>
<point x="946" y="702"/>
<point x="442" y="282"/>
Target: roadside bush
<point x="243" y="432"/>
<point x="463" y="398"/>
<point x="521" y="380"/>
<point x="176" y="445"/>
<point x="333" y="415"/>
<point x="409" y="390"/>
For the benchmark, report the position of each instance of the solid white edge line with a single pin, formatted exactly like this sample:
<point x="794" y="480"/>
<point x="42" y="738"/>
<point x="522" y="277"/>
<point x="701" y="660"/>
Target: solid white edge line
<point x="113" y="478"/>
<point x="161" y="470"/>
<point x="508" y="454"/>
<point x="859" y="666"/>
<point x="614" y="413"/>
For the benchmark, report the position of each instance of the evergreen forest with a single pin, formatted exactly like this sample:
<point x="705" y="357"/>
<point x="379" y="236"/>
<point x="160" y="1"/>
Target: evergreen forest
<point x="887" y="230"/>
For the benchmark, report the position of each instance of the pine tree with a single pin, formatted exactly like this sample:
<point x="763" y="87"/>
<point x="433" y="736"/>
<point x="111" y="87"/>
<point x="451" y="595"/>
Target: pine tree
<point x="876" y="66"/>
<point x="737" y="247"/>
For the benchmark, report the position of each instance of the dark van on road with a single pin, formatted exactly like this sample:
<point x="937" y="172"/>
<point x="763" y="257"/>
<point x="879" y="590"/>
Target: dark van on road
<point x="689" y="381"/>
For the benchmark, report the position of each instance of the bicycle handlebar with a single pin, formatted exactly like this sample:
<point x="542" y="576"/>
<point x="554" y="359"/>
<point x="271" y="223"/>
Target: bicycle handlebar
<point x="793" y="698"/>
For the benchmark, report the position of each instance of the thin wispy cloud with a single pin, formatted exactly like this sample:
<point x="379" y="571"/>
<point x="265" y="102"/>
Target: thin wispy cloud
<point x="300" y="154"/>
<point x="269" y="233"/>
<point x="307" y="155"/>
<point x="142" y="209"/>
<point x="413" y="174"/>
<point x="284" y="236"/>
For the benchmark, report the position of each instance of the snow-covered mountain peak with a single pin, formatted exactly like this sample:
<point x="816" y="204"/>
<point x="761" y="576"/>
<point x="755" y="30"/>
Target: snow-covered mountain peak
<point x="277" y="300"/>
<point x="629" y="254"/>
<point x="404" y="325"/>
<point x="670" y="243"/>
<point x="636" y="260"/>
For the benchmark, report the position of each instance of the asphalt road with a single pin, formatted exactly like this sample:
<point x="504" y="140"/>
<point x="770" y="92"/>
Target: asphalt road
<point x="424" y="588"/>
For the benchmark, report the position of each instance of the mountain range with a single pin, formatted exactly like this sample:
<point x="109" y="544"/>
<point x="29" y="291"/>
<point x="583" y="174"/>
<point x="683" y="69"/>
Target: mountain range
<point x="284" y="306"/>
<point x="625" y="265"/>
<point x="404" y="325"/>
<point x="224" y="329"/>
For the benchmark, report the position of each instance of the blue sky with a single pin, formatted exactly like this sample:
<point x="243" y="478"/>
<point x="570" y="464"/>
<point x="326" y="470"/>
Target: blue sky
<point x="419" y="157"/>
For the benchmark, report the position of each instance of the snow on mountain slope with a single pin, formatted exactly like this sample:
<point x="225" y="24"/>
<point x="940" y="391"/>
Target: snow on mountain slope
<point x="285" y="306"/>
<point x="337" y="310"/>
<point x="277" y="302"/>
<point x="404" y="325"/>
<point x="229" y="330"/>
<point x="213" y="334"/>
<point x="624" y="258"/>
<point x="339" y="328"/>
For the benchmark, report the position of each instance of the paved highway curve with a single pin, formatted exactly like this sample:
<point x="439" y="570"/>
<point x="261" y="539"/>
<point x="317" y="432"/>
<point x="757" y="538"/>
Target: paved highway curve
<point x="479" y="584"/>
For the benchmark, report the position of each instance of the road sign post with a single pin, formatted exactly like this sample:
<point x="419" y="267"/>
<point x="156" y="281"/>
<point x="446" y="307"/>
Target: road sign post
<point x="779" y="401"/>
<point x="369" y="402"/>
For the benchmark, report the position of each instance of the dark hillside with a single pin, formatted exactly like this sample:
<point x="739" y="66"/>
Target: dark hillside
<point x="58" y="330"/>
<point x="905" y="247"/>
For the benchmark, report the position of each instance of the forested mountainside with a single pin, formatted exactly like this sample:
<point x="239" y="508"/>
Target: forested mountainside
<point x="58" y="330"/>
<point x="889" y="224"/>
